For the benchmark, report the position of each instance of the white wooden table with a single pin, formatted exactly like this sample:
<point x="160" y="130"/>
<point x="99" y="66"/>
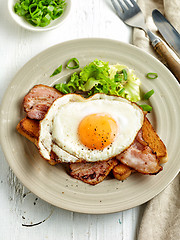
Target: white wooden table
<point x="18" y="206"/>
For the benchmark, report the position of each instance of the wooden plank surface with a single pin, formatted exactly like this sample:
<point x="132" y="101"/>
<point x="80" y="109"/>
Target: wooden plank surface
<point x="18" y="206"/>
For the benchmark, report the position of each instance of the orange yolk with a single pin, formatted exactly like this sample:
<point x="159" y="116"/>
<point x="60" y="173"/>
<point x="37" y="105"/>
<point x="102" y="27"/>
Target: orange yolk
<point x="97" y="131"/>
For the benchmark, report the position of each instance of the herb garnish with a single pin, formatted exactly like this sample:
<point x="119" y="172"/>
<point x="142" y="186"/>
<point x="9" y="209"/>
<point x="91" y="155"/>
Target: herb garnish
<point x="152" y="75"/>
<point x="56" y="71"/>
<point x="148" y="94"/>
<point x="146" y="108"/>
<point x="74" y="61"/>
<point x="40" y="13"/>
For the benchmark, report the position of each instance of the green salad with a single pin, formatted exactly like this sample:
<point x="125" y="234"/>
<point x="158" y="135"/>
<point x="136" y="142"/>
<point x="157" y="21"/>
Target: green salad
<point x="100" y="77"/>
<point x="39" y="12"/>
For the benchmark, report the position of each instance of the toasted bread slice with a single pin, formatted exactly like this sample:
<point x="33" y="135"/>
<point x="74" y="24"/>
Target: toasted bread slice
<point x="29" y="128"/>
<point x="154" y="141"/>
<point x="121" y="172"/>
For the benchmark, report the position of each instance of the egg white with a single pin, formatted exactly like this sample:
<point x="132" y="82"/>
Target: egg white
<point x="59" y="128"/>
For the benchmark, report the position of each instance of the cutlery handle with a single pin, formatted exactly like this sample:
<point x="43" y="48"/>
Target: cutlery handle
<point x="173" y="65"/>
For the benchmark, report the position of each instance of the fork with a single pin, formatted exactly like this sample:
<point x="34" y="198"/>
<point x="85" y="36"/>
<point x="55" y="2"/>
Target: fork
<point x="130" y="13"/>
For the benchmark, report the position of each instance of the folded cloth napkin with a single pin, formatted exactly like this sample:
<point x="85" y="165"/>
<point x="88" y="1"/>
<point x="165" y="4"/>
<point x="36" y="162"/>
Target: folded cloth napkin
<point x="161" y="217"/>
<point x="171" y="10"/>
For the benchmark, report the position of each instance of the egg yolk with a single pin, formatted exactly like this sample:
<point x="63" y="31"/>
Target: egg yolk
<point x="97" y="131"/>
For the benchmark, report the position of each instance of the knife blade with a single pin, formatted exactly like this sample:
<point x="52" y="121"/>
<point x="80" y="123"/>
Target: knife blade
<point x="166" y="29"/>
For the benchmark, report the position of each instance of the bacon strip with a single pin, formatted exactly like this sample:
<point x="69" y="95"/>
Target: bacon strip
<point x="38" y="101"/>
<point x="92" y="173"/>
<point x="140" y="157"/>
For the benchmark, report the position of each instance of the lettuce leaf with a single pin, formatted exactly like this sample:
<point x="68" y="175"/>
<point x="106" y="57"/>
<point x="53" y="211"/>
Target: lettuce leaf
<point x="99" y="77"/>
<point x="131" y="86"/>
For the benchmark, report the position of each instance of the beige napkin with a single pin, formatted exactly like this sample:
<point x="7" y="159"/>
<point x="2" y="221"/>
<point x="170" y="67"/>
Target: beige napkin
<point x="161" y="218"/>
<point x="171" y="10"/>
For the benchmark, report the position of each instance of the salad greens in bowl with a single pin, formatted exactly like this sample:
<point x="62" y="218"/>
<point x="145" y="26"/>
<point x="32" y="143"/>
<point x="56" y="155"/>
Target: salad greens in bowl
<point x="39" y="15"/>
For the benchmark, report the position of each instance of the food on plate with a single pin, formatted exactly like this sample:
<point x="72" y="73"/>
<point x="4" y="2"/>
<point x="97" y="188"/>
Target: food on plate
<point x="89" y="129"/>
<point x="154" y="142"/>
<point x="100" y="77"/>
<point x="73" y="63"/>
<point x="30" y="129"/>
<point x="151" y="75"/>
<point x="86" y="171"/>
<point x="38" y="100"/>
<point x="56" y="71"/>
<point x="148" y="94"/>
<point x="92" y="173"/>
<point x="39" y="13"/>
<point x="121" y="171"/>
<point x="140" y="157"/>
<point x="93" y="133"/>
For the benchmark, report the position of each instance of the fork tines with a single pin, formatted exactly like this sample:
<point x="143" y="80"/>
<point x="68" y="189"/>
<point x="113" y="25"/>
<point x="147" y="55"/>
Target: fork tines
<point x="124" y="7"/>
<point x="124" y="4"/>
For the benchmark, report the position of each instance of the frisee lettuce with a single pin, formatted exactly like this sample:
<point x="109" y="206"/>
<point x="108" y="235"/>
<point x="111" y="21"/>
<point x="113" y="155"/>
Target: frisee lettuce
<point x="100" y="77"/>
<point x="131" y="86"/>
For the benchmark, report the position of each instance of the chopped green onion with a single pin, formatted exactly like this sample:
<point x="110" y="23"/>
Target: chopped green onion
<point x="39" y="12"/>
<point x="57" y="71"/>
<point x="121" y="76"/>
<point x="121" y="91"/>
<point x="124" y="74"/>
<point x="118" y="77"/>
<point x="148" y="94"/>
<point x="146" y="108"/>
<point x="152" y="75"/>
<point x="74" y="61"/>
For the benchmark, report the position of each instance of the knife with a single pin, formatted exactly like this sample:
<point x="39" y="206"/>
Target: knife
<point x="169" y="33"/>
<point x="162" y="50"/>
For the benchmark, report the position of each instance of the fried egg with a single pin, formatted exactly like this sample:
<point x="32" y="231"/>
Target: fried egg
<point x="89" y="129"/>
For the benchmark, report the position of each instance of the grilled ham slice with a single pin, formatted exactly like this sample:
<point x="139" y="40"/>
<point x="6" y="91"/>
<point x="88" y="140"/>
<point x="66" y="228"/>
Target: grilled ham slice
<point x="38" y="100"/>
<point x="92" y="173"/>
<point x="140" y="157"/>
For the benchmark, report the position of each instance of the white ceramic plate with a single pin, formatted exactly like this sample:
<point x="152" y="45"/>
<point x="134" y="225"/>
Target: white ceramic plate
<point x="52" y="183"/>
<point x="23" y="23"/>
